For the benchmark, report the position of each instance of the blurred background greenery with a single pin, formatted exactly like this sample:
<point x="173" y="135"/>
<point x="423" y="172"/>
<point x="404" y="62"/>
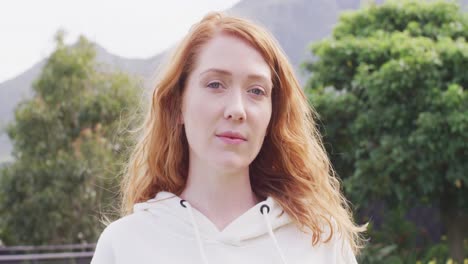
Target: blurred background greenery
<point x="388" y="84"/>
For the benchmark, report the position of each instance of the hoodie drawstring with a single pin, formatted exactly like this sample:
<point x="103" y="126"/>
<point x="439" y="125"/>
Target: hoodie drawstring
<point x="197" y="232"/>
<point x="201" y="249"/>
<point x="270" y="231"/>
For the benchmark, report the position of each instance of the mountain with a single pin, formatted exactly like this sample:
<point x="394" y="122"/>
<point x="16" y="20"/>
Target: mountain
<point x="295" y="24"/>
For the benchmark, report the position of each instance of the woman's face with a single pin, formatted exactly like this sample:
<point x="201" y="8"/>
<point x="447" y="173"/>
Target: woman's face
<point x="226" y="104"/>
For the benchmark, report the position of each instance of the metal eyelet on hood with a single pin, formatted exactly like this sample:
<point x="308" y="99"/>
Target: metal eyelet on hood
<point x="267" y="207"/>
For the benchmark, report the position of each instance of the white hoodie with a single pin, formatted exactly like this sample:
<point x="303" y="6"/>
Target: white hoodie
<point x="168" y="230"/>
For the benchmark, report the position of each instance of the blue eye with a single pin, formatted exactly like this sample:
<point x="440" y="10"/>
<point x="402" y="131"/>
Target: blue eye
<point x="217" y="85"/>
<point x="258" y="91"/>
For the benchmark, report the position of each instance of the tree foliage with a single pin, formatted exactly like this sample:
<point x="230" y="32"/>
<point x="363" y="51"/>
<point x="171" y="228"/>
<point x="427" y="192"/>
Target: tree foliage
<point x="390" y="87"/>
<point x="69" y="147"/>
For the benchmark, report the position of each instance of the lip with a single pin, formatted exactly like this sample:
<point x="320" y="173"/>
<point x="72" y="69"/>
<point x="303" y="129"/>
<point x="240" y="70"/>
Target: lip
<point x="231" y="137"/>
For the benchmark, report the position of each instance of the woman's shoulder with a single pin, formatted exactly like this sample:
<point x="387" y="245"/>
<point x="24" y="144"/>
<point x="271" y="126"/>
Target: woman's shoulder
<point x="119" y="231"/>
<point x="335" y="242"/>
<point x="126" y="224"/>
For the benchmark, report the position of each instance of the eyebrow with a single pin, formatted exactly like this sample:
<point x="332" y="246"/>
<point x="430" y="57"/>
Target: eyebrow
<point x="250" y="76"/>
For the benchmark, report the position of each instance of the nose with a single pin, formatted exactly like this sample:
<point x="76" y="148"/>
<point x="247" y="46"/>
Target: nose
<point x="235" y="108"/>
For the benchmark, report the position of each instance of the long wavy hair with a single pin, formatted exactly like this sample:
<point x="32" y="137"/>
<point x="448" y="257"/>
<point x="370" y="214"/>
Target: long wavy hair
<point x="292" y="165"/>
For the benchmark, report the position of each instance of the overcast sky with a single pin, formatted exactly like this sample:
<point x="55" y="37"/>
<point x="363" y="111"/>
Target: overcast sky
<point x="133" y="29"/>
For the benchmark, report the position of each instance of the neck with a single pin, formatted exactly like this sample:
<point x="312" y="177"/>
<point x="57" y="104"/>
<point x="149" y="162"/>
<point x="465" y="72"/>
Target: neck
<point x="219" y="194"/>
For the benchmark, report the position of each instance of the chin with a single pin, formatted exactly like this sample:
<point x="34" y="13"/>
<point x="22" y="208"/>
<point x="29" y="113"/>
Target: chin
<point x="232" y="163"/>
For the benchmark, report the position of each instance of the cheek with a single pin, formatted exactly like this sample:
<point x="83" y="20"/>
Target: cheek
<point x="264" y="117"/>
<point x="260" y="119"/>
<point x="198" y="111"/>
<point x="197" y="116"/>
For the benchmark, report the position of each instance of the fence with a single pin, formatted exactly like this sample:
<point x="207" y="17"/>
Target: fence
<point x="50" y="254"/>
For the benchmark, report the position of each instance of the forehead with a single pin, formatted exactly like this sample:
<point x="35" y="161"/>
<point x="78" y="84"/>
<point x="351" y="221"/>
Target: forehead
<point x="232" y="54"/>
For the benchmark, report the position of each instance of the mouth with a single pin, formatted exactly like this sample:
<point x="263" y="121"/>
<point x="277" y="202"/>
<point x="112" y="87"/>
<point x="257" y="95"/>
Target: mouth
<point x="231" y="140"/>
<point x="232" y="135"/>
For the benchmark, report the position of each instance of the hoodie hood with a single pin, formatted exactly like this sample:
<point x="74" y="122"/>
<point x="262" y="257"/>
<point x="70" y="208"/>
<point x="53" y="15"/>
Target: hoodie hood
<point x="166" y="229"/>
<point x="249" y="225"/>
<point x="182" y="219"/>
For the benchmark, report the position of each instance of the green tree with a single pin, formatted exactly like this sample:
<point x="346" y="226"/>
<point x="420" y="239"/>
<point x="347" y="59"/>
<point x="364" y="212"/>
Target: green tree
<point x="69" y="146"/>
<point x="390" y="87"/>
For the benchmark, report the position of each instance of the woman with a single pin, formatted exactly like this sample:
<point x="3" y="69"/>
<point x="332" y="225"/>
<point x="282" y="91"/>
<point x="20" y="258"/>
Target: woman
<point x="230" y="167"/>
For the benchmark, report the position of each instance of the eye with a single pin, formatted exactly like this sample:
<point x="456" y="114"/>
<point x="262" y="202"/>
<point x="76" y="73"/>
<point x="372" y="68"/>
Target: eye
<point x="258" y="91"/>
<point x="214" y="85"/>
